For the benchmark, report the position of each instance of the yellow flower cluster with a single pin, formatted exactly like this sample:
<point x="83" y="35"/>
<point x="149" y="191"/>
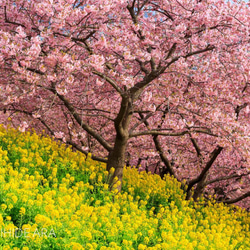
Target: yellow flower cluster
<point x="52" y="197"/>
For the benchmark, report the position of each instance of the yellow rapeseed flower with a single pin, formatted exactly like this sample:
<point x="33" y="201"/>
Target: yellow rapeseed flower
<point x="8" y="218"/>
<point x="22" y="210"/>
<point x="87" y="234"/>
<point x="3" y="206"/>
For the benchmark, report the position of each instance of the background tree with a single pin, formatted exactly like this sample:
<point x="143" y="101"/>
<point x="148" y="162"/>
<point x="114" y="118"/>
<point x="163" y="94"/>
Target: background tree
<point x="165" y="81"/>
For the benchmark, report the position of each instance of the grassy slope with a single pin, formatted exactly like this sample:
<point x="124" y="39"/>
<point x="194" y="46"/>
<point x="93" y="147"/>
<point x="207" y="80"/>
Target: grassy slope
<point x="46" y="190"/>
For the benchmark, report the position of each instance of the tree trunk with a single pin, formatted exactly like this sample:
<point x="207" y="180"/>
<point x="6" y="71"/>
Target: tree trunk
<point x="200" y="188"/>
<point x="116" y="160"/>
<point x="117" y="155"/>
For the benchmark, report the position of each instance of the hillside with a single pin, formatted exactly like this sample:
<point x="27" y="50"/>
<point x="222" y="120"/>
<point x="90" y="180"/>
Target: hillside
<point x="54" y="198"/>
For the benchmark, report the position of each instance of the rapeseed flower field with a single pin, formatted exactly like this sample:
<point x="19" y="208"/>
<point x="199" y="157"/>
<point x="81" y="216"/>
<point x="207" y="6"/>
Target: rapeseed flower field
<point x="54" y="198"/>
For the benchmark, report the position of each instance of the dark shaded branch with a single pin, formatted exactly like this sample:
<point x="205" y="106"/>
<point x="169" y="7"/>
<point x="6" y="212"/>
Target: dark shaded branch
<point x="140" y="8"/>
<point x="223" y="178"/>
<point x="137" y="89"/>
<point x="153" y="64"/>
<point x="121" y="120"/>
<point x="109" y="80"/>
<point x="231" y="201"/>
<point x="84" y="125"/>
<point x="87" y="47"/>
<point x="32" y="70"/>
<point x="209" y="164"/>
<point x="163" y="156"/>
<point x="162" y="11"/>
<point x="132" y="13"/>
<point x="149" y="114"/>
<point x="35" y="71"/>
<point x="134" y="19"/>
<point x="208" y="48"/>
<point x="142" y="66"/>
<point x="93" y="157"/>
<point x="73" y="144"/>
<point x="75" y="39"/>
<point x="68" y="142"/>
<point x="238" y="109"/>
<point x="196" y="146"/>
<point x="171" y="51"/>
<point x="10" y="22"/>
<point x="159" y="132"/>
<point x="160" y="150"/>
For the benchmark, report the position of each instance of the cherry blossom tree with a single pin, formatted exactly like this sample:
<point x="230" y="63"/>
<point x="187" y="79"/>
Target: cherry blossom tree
<point x="162" y="85"/>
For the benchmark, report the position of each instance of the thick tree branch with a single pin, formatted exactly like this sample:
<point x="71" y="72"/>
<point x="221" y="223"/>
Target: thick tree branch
<point x="10" y="22"/>
<point x="73" y="144"/>
<point x="93" y="157"/>
<point x="131" y="10"/>
<point x="109" y="80"/>
<point x="238" y="109"/>
<point x="223" y="178"/>
<point x="208" y="48"/>
<point x="140" y="8"/>
<point x="142" y="120"/>
<point x="84" y="125"/>
<point x="231" y="201"/>
<point x="171" y="51"/>
<point x="121" y="120"/>
<point x="75" y="39"/>
<point x="160" y="150"/>
<point x="209" y="164"/>
<point x="138" y="88"/>
<point x="70" y="107"/>
<point x="142" y="66"/>
<point x="159" y="132"/>
<point x="162" y="11"/>
<point x="196" y="146"/>
<point x="68" y="142"/>
<point x="197" y="149"/>
<point x="163" y="156"/>
<point x="132" y="13"/>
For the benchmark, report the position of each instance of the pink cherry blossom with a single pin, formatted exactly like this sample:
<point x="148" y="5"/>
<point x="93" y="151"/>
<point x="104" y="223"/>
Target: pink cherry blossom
<point x="23" y="126"/>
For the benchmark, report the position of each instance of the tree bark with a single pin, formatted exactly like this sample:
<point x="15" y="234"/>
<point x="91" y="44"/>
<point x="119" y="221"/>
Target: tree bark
<point x="116" y="160"/>
<point x="117" y="156"/>
<point x="200" y="188"/>
<point x="201" y="179"/>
